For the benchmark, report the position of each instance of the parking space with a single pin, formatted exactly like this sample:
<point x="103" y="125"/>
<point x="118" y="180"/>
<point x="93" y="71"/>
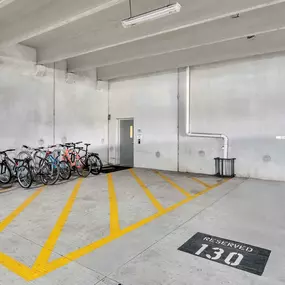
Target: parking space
<point x="118" y="227"/>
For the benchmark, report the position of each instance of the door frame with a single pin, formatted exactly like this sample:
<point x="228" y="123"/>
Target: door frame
<point x="119" y="137"/>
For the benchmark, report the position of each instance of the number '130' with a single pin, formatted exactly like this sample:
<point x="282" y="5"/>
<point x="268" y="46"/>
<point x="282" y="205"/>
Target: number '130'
<point x="217" y="254"/>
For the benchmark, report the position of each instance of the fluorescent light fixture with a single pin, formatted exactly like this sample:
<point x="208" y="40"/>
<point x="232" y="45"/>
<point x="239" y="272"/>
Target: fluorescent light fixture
<point x="4" y="3"/>
<point x="152" y="15"/>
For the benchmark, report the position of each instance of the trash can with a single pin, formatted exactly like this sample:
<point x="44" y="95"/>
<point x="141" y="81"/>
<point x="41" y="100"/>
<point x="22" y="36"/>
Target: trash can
<point x="225" y="167"/>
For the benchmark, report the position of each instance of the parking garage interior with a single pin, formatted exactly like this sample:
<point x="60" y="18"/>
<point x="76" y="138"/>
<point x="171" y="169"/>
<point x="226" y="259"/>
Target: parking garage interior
<point x="181" y="107"/>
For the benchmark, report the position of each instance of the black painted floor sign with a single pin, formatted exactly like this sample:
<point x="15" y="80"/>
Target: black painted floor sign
<point x="231" y="253"/>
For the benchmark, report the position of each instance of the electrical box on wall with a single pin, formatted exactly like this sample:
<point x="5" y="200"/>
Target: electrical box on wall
<point x="40" y="71"/>
<point x="139" y="136"/>
<point x="102" y="86"/>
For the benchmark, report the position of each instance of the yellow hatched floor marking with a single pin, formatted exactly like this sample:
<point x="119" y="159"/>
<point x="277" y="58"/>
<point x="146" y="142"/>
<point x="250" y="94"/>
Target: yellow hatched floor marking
<point x="19" y="210"/>
<point x="46" y="251"/>
<point x="63" y="261"/>
<point x="114" y="211"/>
<point x="155" y="203"/>
<point x="5" y="190"/>
<point x="201" y="182"/>
<point x="173" y="184"/>
<point x="17" y="267"/>
<point x="210" y="188"/>
<point x="43" y="267"/>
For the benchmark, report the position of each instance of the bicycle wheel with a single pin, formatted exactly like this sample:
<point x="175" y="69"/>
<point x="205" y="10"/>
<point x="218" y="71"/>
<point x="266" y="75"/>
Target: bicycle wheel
<point x="38" y="158"/>
<point x="49" y="172"/>
<point x="24" y="176"/>
<point x="96" y="164"/>
<point x="64" y="170"/>
<point x="84" y="166"/>
<point x="5" y="174"/>
<point x="24" y="154"/>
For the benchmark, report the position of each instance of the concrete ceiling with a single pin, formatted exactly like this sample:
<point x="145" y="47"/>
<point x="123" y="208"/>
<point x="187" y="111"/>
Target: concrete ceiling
<point x="88" y="33"/>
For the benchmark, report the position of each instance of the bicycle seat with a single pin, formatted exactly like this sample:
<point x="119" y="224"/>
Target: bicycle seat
<point x="51" y="146"/>
<point x="69" y="146"/>
<point x="39" y="148"/>
<point x="25" y="146"/>
<point x="87" y="144"/>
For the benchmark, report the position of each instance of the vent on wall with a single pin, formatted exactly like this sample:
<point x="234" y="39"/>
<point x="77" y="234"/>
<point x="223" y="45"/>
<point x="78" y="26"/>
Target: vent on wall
<point x="70" y="78"/>
<point x="41" y="70"/>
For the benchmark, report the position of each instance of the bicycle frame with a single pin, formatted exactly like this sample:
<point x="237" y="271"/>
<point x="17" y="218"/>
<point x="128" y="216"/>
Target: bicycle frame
<point x="72" y="156"/>
<point x="12" y="165"/>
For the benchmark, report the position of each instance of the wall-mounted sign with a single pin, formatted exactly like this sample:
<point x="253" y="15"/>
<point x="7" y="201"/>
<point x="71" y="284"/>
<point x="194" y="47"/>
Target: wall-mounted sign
<point x="231" y="253"/>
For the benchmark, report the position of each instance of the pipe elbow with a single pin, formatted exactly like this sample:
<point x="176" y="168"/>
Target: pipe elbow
<point x="226" y="138"/>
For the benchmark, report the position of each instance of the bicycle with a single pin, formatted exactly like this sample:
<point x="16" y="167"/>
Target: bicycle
<point x="81" y="164"/>
<point x="96" y="162"/>
<point x="17" y="168"/>
<point x="54" y="157"/>
<point x="42" y="164"/>
<point x="37" y="154"/>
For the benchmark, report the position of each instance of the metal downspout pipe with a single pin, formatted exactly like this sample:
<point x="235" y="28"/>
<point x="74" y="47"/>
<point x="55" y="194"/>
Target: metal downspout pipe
<point x="188" y="120"/>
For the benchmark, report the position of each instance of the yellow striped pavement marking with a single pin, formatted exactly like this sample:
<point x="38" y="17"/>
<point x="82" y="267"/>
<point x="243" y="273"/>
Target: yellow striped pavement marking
<point x="173" y="184"/>
<point x="19" y="210"/>
<point x="201" y="182"/>
<point x="114" y="211"/>
<point x="42" y="265"/>
<point x="46" y="251"/>
<point x="155" y="203"/>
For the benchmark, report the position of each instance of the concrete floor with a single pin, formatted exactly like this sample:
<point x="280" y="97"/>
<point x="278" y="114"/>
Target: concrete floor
<point x="126" y="228"/>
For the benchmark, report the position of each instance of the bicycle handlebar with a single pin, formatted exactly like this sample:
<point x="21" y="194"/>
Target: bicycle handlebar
<point x="52" y="146"/>
<point x="8" y="150"/>
<point x="39" y="148"/>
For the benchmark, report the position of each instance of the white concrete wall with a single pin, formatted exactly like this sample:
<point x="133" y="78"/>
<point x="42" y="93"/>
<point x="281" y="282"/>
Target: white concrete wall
<point x="81" y="111"/>
<point x="152" y="102"/>
<point x="25" y="105"/>
<point x="28" y="102"/>
<point x="242" y="99"/>
<point x="245" y="100"/>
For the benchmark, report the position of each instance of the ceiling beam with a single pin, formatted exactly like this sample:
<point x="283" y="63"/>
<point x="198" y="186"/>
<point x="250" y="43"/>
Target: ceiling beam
<point x="234" y="49"/>
<point x="32" y="27"/>
<point x="4" y="3"/>
<point x="252" y="22"/>
<point x="58" y="52"/>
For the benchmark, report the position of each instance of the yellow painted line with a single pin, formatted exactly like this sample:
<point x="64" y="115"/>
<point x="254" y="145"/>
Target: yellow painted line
<point x="93" y="246"/>
<point x="210" y="188"/>
<point x="87" y="249"/>
<point x="201" y="182"/>
<point x="46" y="251"/>
<point x="114" y="210"/>
<point x="20" y="209"/>
<point x="155" y="203"/>
<point x="5" y="191"/>
<point x="34" y="273"/>
<point x="17" y="267"/>
<point x="173" y="184"/>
